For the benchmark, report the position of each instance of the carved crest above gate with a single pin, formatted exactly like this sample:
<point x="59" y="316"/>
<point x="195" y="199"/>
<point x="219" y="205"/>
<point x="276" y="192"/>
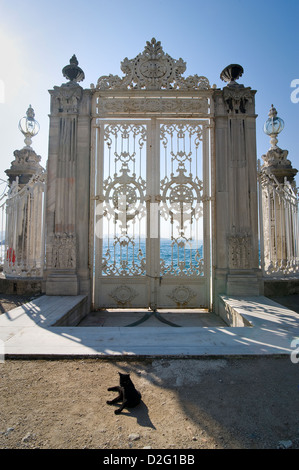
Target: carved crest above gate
<point x="152" y="69"/>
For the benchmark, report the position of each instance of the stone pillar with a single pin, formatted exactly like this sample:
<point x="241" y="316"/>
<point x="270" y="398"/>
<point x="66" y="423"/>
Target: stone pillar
<point x="279" y="215"/>
<point x="237" y="262"/>
<point x="24" y="207"/>
<point x="68" y="187"/>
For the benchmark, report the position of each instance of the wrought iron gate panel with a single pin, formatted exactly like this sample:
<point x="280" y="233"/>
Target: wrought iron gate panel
<point x="183" y="214"/>
<point x="152" y="213"/>
<point x="181" y="205"/>
<point x="124" y="189"/>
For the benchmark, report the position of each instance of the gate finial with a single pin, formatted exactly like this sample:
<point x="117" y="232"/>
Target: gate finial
<point x="231" y="73"/>
<point x="72" y="71"/>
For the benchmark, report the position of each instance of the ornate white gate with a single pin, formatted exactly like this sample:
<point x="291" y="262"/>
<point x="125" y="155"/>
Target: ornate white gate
<point x="151" y="186"/>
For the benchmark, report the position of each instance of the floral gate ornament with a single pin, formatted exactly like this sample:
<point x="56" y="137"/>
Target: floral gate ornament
<point x="152" y="70"/>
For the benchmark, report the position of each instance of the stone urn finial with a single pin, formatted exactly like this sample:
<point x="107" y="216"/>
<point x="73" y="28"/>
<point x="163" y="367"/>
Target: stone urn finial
<point x="231" y="73"/>
<point x="72" y="71"/>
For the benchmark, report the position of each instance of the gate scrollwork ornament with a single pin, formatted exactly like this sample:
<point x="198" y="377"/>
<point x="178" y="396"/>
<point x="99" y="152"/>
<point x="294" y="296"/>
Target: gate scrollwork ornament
<point x="68" y="97"/>
<point x="152" y="69"/>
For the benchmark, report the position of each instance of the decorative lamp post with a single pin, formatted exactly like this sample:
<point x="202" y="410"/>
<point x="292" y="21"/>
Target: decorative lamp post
<point x="29" y="126"/>
<point x="273" y="126"/>
<point x="26" y="162"/>
<point x="275" y="160"/>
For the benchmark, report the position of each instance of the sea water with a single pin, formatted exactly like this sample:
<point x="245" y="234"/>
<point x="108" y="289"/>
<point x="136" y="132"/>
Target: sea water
<point x="174" y="258"/>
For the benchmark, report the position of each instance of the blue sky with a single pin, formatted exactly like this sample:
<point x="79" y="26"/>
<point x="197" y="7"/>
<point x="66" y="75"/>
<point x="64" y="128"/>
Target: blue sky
<point x="38" y="38"/>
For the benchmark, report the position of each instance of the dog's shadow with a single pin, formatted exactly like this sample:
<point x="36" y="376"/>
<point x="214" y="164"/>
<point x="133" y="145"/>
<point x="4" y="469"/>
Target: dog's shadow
<point x="140" y="412"/>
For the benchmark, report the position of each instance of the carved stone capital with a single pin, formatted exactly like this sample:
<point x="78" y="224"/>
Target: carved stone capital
<point x="236" y="98"/>
<point x="24" y="166"/>
<point x="276" y="162"/>
<point x="67" y="98"/>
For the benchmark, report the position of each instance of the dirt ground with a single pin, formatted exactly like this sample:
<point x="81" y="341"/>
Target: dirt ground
<point x="237" y="403"/>
<point x="186" y="404"/>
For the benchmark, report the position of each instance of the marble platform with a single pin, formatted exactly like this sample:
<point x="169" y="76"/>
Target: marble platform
<point x="41" y="329"/>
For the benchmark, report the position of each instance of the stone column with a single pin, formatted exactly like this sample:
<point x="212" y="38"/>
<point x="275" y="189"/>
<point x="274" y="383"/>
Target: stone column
<point x="279" y="215"/>
<point x="24" y="207"/>
<point x="237" y="262"/>
<point x="68" y="187"/>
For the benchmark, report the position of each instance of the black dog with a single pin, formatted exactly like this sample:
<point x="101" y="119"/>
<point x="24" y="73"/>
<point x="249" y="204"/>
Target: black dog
<point x="128" y="394"/>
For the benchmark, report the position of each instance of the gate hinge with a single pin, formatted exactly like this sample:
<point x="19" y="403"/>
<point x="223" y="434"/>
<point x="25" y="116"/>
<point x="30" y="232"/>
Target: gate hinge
<point x="207" y="199"/>
<point x="98" y="198"/>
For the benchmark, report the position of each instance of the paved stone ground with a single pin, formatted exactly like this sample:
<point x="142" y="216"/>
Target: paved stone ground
<point x="10" y="301"/>
<point x="185" y="318"/>
<point x="289" y="301"/>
